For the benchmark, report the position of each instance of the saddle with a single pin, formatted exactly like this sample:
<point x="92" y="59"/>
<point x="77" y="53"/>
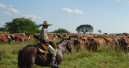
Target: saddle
<point x="43" y="49"/>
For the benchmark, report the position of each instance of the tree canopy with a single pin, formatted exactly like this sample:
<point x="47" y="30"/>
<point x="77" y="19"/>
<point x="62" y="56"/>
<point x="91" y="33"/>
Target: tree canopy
<point x="84" y="28"/>
<point x="61" y="30"/>
<point x="100" y="31"/>
<point x="22" y="25"/>
<point x="3" y="29"/>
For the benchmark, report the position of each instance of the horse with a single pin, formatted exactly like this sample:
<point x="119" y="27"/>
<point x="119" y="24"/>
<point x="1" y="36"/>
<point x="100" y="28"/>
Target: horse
<point x="0" y="58"/>
<point x="30" y="55"/>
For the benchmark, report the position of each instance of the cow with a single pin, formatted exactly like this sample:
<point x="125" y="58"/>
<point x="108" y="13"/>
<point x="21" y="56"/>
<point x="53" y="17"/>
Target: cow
<point x="36" y="36"/>
<point x="20" y="37"/>
<point x="4" y="38"/>
<point x="124" y="43"/>
<point x="78" y="44"/>
<point x="91" y="44"/>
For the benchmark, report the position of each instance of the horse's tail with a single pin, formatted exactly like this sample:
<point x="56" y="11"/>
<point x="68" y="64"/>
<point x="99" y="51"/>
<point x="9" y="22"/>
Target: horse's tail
<point x="20" y="59"/>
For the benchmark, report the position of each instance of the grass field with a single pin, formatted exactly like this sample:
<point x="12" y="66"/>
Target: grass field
<point x="103" y="58"/>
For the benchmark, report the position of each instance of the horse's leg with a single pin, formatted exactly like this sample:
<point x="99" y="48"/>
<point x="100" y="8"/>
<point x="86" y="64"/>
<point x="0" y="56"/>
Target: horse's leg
<point x="30" y="66"/>
<point x="54" y="67"/>
<point x="126" y="49"/>
<point x="32" y="61"/>
<point x="20" y="65"/>
<point x="96" y="48"/>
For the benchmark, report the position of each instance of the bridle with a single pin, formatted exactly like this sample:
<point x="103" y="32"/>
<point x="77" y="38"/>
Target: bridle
<point x="60" y="48"/>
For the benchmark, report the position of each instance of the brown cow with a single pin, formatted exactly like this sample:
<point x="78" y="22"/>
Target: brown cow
<point x="124" y="43"/>
<point x="4" y="38"/>
<point x="100" y="41"/>
<point x="20" y="38"/>
<point x="36" y="36"/>
<point x="111" y="42"/>
<point x="78" y="44"/>
<point x="91" y="44"/>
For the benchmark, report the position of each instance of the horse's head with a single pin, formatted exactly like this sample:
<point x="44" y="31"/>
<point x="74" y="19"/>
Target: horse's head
<point x="65" y="44"/>
<point x="69" y="46"/>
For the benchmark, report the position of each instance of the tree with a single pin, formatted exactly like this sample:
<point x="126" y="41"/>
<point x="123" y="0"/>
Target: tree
<point x="61" y="30"/>
<point x="22" y="25"/>
<point x="125" y="33"/>
<point x="105" y="33"/>
<point x="100" y="31"/>
<point x="2" y="29"/>
<point x="84" y="28"/>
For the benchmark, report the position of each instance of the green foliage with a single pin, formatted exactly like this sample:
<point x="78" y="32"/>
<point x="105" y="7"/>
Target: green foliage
<point x="61" y="30"/>
<point x="3" y="29"/>
<point x="22" y="25"/>
<point x="84" y="28"/>
<point x="105" y="33"/>
<point x="125" y="33"/>
<point x="100" y="31"/>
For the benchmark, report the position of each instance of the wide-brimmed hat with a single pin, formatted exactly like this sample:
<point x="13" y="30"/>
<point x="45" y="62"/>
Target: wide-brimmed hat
<point x="45" y="23"/>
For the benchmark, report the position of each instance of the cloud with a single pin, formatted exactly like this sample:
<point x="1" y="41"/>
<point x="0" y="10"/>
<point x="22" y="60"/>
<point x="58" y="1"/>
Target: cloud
<point x="7" y="12"/>
<point x="33" y="17"/>
<point x="9" y="9"/>
<point x="76" y="11"/>
<point x="68" y="10"/>
<point x="13" y="10"/>
<point x="2" y="6"/>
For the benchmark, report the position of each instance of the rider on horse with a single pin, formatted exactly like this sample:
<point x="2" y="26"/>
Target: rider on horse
<point x="49" y="43"/>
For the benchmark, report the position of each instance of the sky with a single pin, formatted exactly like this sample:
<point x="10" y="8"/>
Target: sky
<point x="110" y="16"/>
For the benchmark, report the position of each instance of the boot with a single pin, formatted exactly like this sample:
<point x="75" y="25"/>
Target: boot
<point x="53" y="65"/>
<point x="52" y="51"/>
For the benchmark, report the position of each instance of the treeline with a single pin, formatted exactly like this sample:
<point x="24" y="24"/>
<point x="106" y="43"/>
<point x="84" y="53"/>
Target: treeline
<point x="25" y="25"/>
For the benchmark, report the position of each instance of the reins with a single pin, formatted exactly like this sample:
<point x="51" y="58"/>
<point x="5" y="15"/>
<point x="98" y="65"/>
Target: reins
<point x="60" y="49"/>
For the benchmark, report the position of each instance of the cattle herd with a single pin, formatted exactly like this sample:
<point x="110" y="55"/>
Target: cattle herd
<point x="89" y="41"/>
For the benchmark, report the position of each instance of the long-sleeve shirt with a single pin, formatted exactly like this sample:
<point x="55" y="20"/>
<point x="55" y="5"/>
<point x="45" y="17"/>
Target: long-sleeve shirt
<point x="44" y="35"/>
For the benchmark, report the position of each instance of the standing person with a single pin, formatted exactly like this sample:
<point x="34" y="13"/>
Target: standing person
<point x="45" y="40"/>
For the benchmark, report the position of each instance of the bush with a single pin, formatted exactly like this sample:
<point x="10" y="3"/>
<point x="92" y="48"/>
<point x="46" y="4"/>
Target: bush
<point x="21" y="25"/>
<point x="61" y="30"/>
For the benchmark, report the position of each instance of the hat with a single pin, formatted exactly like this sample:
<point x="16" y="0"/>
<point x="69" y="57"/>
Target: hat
<point x="45" y="23"/>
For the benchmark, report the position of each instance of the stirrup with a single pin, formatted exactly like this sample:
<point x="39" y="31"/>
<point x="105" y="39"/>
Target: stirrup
<point x="42" y="51"/>
<point x="54" y="65"/>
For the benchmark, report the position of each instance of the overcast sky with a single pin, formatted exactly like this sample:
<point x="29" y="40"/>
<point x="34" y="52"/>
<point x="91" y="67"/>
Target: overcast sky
<point x="110" y="16"/>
